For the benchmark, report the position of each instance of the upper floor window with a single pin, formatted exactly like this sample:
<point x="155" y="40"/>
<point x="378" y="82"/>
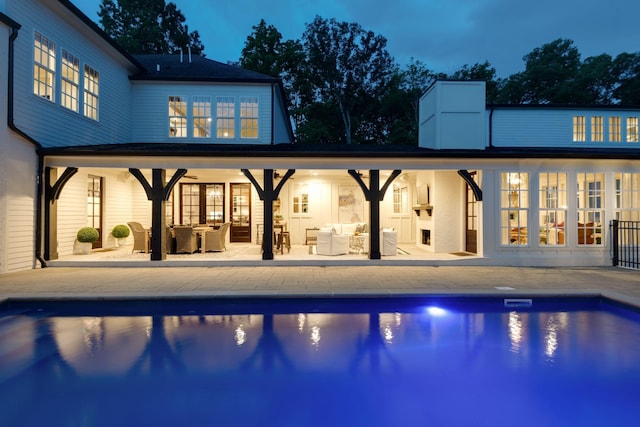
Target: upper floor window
<point x="632" y="129"/>
<point x="615" y="130"/>
<point x="579" y="128"/>
<point x="597" y="129"/>
<point x="248" y="117"/>
<point x="225" y="114"/>
<point x="91" y="92"/>
<point x="70" y="81"/>
<point x="44" y="67"/>
<point x="201" y="117"/>
<point x="177" y="117"/>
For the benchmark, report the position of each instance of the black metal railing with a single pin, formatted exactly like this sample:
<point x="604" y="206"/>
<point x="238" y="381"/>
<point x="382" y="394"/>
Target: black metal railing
<point x="625" y="243"/>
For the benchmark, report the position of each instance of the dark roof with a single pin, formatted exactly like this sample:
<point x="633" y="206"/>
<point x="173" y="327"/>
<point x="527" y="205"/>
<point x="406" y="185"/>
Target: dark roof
<point x="185" y="67"/>
<point x="565" y="106"/>
<point x="336" y="151"/>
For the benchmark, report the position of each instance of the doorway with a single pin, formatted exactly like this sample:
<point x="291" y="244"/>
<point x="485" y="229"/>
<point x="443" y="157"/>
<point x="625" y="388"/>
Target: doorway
<point x="240" y="230"/>
<point x="471" y="214"/>
<point x="94" y="207"/>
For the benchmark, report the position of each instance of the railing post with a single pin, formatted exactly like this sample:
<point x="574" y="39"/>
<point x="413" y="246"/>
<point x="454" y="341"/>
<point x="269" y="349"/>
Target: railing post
<point x="614" y="241"/>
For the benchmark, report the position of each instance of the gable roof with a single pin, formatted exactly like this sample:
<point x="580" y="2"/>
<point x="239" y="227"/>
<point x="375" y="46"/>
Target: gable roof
<point x="185" y="67"/>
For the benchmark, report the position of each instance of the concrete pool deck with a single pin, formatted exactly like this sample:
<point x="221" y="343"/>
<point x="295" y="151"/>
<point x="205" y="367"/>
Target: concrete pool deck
<point x="157" y="282"/>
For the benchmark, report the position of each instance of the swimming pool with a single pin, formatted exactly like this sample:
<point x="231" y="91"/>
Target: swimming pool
<point x="320" y="362"/>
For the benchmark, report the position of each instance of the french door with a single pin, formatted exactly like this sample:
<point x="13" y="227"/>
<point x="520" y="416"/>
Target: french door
<point x="471" y="232"/>
<point x="240" y="230"/>
<point x="94" y="207"/>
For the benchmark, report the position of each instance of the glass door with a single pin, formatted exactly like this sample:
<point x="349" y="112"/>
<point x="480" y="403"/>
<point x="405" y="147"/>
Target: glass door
<point x="94" y="207"/>
<point x="240" y="230"/>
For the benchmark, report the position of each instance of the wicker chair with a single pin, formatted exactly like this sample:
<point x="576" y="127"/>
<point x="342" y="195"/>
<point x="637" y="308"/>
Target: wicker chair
<point x="186" y="239"/>
<point x="215" y="240"/>
<point x="141" y="240"/>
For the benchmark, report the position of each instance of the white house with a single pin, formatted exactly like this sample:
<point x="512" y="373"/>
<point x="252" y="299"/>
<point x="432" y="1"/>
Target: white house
<point x="98" y="137"/>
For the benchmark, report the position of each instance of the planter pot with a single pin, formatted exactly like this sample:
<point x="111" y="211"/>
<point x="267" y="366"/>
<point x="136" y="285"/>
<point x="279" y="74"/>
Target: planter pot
<point x="121" y="241"/>
<point x="82" y="248"/>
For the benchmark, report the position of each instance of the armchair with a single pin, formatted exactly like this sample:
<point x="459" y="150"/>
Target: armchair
<point x="330" y="243"/>
<point x="141" y="241"/>
<point x="215" y="240"/>
<point x="186" y="240"/>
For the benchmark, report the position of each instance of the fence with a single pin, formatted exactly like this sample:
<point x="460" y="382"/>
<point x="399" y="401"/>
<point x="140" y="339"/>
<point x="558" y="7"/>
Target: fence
<point x="625" y="243"/>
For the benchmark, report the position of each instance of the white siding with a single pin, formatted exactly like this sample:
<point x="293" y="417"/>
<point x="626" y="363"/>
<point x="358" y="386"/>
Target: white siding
<point x="17" y="190"/>
<point x="63" y="127"/>
<point x="151" y="113"/>
<point x="553" y="127"/>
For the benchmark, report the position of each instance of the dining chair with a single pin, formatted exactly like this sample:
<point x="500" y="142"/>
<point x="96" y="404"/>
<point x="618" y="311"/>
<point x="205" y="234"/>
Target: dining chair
<point x="141" y="240"/>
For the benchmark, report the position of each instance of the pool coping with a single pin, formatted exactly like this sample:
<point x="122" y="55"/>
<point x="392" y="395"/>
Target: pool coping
<point x="615" y="297"/>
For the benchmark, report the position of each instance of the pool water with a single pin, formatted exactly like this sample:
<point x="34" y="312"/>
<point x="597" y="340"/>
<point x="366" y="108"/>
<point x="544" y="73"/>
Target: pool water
<point x="320" y="362"/>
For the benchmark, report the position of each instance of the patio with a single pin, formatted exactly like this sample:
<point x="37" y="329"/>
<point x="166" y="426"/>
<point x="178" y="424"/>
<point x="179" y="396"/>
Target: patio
<point x="247" y="254"/>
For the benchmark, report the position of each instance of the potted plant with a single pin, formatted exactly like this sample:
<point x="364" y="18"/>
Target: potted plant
<point x="85" y="238"/>
<point x="120" y="233"/>
<point x="278" y="218"/>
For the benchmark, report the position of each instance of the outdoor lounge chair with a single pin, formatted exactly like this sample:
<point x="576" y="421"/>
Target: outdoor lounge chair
<point x="215" y="239"/>
<point x="141" y="241"/>
<point x="186" y="239"/>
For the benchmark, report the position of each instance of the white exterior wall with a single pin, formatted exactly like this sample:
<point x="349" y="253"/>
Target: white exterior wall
<point x="62" y="126"/>
<point x="18" y="170"/>
<point x="553" y="127"/>
<point x="151" y="112"/>
<point x="452" y="115"/>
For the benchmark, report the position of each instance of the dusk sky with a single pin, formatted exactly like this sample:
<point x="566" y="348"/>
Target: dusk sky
<point x="443" y="34"/>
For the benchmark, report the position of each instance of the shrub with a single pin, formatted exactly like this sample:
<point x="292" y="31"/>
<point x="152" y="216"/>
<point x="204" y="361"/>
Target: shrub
<point x="88" y="235"/>
<point x="120" y="231"/>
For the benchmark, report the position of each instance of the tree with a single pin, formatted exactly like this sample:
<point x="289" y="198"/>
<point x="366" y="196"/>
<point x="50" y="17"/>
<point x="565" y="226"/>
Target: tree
<point x="148" y="26"/>
<point x="484" y="72"/>
<point x="549" y="73"/>
<point x="595" y="81"/>
<point x="346" y="66"/>
<point x="626" y="67"/>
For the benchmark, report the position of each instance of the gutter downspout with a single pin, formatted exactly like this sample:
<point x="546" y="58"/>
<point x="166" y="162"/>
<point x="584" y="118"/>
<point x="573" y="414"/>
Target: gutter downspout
<point x="12" y="126"/>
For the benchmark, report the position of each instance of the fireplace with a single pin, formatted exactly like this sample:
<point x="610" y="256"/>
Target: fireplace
<point x="426" y="237"/>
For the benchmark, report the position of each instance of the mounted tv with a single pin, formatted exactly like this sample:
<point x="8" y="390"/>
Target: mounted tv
<point x="423" y="196"/>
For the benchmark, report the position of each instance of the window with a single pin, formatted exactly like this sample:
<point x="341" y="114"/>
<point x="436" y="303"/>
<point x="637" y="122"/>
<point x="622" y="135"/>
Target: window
<point x="514" y="208"/>
<point x="590" y="210"/>
<point x="202" y="203"/>
<point x="597" y="129"/>
<point x="225" y="114"/>
<point x="177" y="117"/>
<point x="627" y="200"/>
<point x="301" y="199"/>
<point x="91" y="90"/>
<point x="400" y="200"/>
<point x="201" y="117"/>
<point x="44" y="67"/>
<point x="579" y="128"/>
<point x="248" y="117"/>
<point x="632" y="129"/>
<point x="70" y="80"/>
<point x="615" y="130"/>
<point x="553" y="208"/>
